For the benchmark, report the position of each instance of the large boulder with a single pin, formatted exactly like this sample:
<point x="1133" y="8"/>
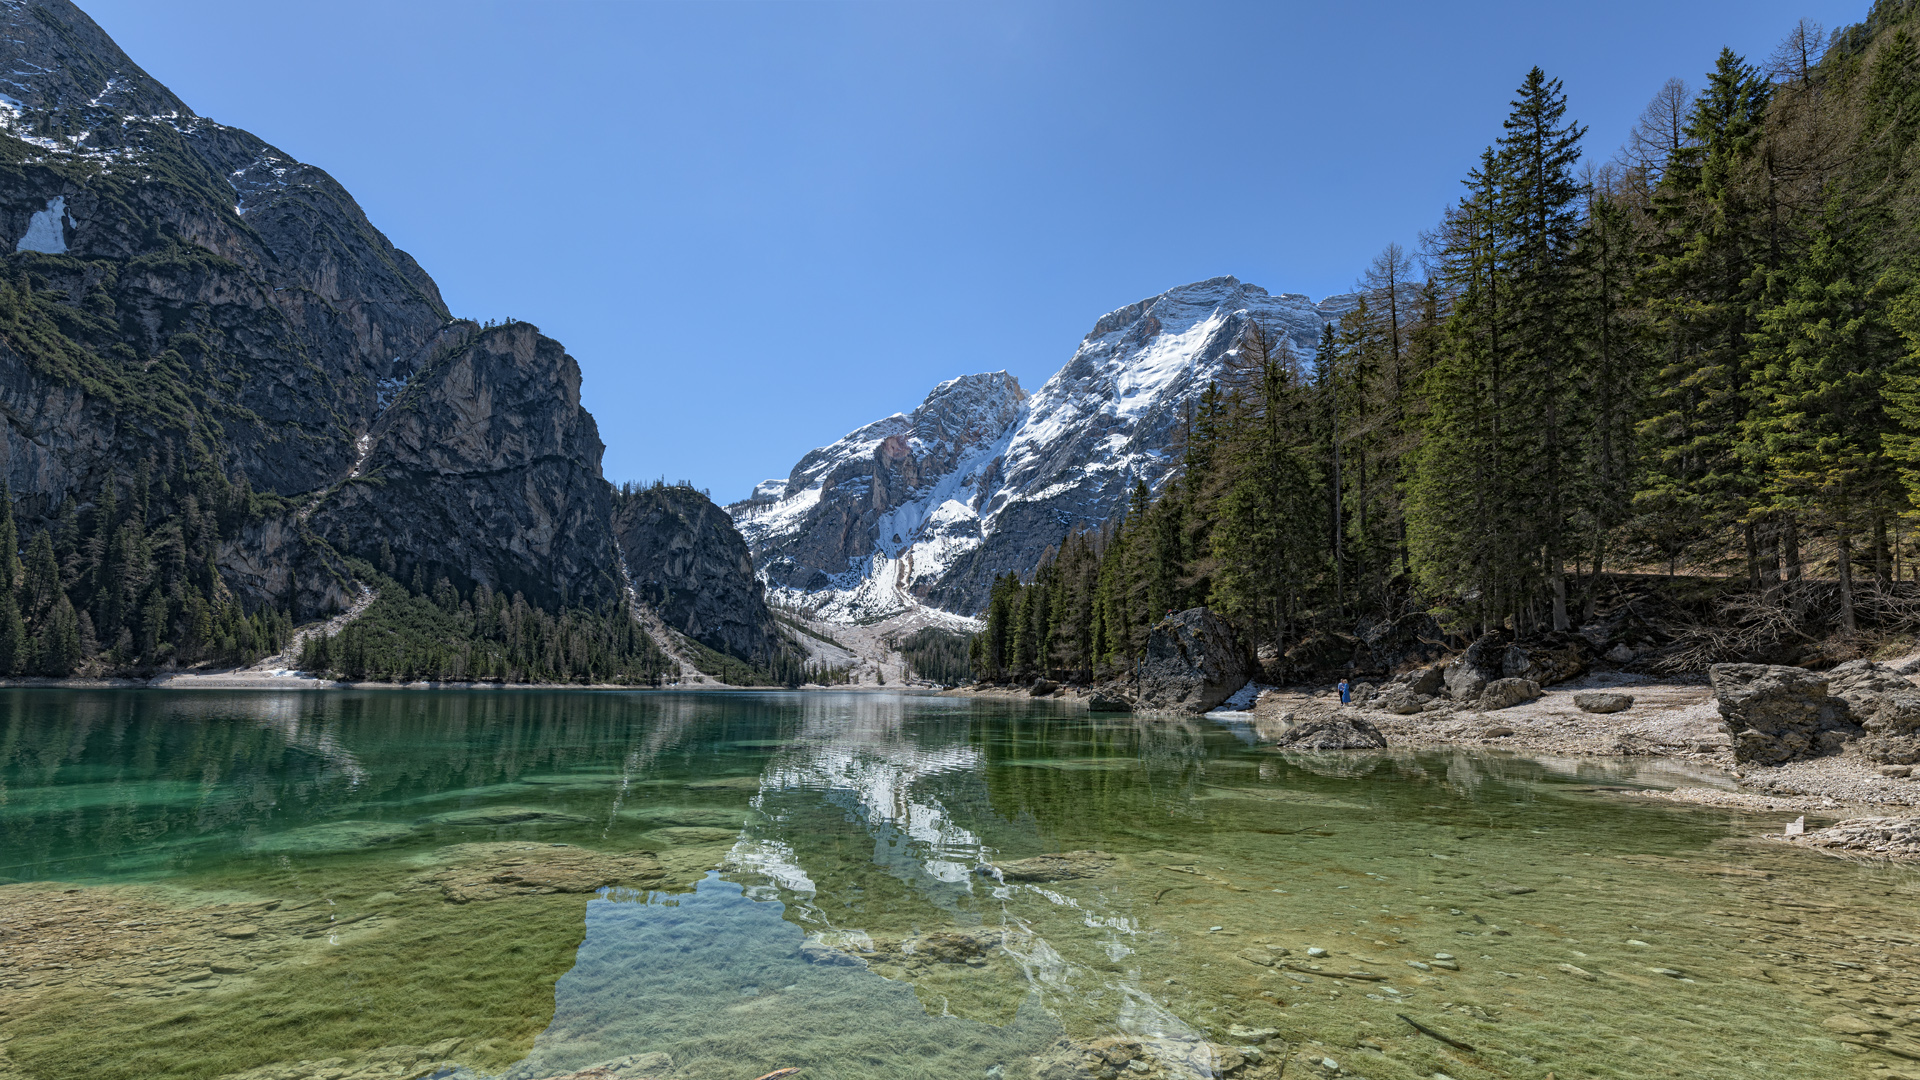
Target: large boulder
<point x="1343" y="732"/>
<point x="1194" y="661"/>
<point x="1483" y="662"/>
<point x="1602" y="701"/>
<point x="1464" y="682"/>
<point x="1325" y="655"/>
<point x="1402" y="701"/>
<point x="1778" y="714"/>
<point x="1892" y="728"/>
<point x="1409" y="639"/>
<point x="1428" y="680"/>
<point x="1861" y="684"/>
<point x="1547" y="659"/>
<point x="1502" y="693"/>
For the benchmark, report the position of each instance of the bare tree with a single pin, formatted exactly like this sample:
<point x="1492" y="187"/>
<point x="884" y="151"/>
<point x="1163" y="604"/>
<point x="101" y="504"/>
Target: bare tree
<point x="1794" y="59"/>
<point x="1661" y="131"/>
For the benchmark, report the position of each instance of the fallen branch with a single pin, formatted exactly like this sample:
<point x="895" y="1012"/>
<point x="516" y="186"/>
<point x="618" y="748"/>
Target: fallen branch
<point x="1432" y="1034"/>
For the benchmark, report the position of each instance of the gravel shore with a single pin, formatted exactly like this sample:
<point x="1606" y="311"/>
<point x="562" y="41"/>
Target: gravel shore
<point x="1674" y="719"/>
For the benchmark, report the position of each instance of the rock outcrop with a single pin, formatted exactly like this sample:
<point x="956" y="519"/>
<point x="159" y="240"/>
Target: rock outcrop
<point x="1194" y="661"/>
<point x="193" y="307"/>
<point x="1779" y="714"/>
<point x="1505" y="693"/>
<point x="928" y="507"/>
<point x="687" y="561"/>
<point x="1339" y="732"/>
<point x="486" y="469"/>
<point x="1886" y="704"/>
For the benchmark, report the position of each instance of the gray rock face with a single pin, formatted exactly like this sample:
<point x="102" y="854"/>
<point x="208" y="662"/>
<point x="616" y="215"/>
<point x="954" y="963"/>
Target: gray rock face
<point x="689" y="563"/>
<point x="1464" y="682"/>
<point x="1409" y="639"/>
<point x="1602" y="701"/>
<point x="487" y="470"/>
<point x="1428" y="680"/>
<point x="284" y="308"/>
<point x="1334" y="733"/>
<point x="1892" y="729"/>
<point x="1861" y="683"/>
<point x="1505" y="693"/>
<point x="1193" y="662"/>
<point x="981" y="479"/>
<point x="201" y="299"/>
<point x="1482" y="662"/>
<point x="1550" y="659"/>
<point x="1402" y="701"/>
<point x="1777" y="714"/>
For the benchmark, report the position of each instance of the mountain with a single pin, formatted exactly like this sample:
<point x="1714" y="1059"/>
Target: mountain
<point x="220" y="381"/>
<point x="924" y="509"/>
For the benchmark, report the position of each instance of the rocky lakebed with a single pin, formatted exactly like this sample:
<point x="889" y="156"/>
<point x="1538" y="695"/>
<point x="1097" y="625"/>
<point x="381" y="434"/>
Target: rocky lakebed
<point x="343" y="886"/>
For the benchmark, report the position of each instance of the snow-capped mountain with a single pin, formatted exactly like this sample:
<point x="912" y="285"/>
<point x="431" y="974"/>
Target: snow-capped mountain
<point x="923" y="509"/>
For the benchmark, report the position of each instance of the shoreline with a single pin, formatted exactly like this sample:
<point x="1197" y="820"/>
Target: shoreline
<point x="1671" y="720"/>
<point x="262" y="680"/>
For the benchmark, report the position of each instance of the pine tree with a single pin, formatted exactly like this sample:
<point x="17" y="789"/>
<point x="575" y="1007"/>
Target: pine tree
<point x="1815" y="429"/>
<point x="1701" y="287"/>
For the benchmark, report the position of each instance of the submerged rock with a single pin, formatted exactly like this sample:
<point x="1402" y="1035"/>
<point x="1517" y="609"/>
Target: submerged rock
<point x="333" y="836"/>
<point x="1194" y="661"/>
<point x="1778" y="714"/>
<point x="1058" y="866"/>
<point x="484" y="872"/>
<point x="505" y="815"/>
<point x="1106" y="701"/>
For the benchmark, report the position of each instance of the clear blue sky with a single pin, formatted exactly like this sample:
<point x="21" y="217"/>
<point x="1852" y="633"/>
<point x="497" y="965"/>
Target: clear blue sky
<point x="759" y="225"/>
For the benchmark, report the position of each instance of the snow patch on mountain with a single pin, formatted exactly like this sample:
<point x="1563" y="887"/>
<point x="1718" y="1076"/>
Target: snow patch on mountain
<point x="922" y="510"/>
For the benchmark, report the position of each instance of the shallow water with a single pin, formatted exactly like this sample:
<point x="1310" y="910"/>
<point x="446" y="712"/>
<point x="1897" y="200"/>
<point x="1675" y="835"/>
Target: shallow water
<point x="827" y="898"/>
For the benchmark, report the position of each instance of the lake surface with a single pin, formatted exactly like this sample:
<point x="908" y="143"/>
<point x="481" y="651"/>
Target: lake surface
<point x="526" y="884"/>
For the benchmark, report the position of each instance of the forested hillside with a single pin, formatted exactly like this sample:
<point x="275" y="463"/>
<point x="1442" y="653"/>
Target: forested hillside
<point x="1703" y="352"/>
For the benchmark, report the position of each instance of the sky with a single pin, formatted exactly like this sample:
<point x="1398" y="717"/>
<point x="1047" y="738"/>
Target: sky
<point x="758" y="226"/>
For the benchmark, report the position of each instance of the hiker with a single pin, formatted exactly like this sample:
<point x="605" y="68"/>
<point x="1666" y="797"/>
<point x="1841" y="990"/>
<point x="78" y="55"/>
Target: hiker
<point x="1346" y="693"/>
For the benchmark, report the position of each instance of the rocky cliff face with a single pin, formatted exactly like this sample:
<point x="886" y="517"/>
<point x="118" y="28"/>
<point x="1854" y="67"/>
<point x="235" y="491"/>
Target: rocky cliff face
<point x="486" y="469"/>
<point x="185" y="302"/>
<point x="928" y="507"/>
<point x="687" y="561"/>
<point x="255" y="282"/>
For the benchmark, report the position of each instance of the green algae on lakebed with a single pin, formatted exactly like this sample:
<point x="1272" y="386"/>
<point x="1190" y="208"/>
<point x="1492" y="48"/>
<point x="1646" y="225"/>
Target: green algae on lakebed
<point x="825" y="897"/>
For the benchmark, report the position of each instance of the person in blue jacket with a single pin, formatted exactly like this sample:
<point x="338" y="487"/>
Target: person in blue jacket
<point x="1346" y="693"/>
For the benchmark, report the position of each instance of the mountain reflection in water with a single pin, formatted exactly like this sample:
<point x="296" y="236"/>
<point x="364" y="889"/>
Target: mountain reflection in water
<point x="848" y="883"/>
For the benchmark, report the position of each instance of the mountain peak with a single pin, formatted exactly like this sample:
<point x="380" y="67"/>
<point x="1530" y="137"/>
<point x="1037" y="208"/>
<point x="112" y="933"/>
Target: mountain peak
<point x="924" y="509"/>
<point x="59" y="61"/>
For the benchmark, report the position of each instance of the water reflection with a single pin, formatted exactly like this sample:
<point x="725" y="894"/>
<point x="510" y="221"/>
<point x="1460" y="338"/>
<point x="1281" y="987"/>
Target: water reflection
<point x="850" y="920"/>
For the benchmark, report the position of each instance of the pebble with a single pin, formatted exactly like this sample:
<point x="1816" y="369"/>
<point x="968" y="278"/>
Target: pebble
<point x="1215" y="929"/>
<point x="1418" y="966"/>
<point x="1639" y="943"/>
<point x="1668" y="972"/>
<point x="1316" y="952"/>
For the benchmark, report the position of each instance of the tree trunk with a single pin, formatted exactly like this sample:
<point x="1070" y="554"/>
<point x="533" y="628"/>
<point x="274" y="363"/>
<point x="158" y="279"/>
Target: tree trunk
<point x="1882" y="558"/>
<point x="1845" y="566"/>
<point x="1558" y="570"/>
<point x="1753" y="556"/>
<point x="1593" y="583"/>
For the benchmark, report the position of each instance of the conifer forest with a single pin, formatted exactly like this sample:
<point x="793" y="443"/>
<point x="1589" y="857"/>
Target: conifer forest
<point x="1698" y="357"/>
